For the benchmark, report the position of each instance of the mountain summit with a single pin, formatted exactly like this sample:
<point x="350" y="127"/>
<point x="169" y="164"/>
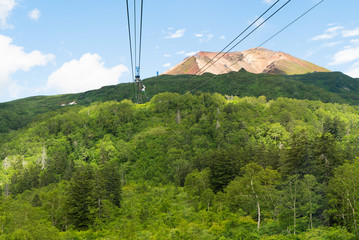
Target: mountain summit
<point x="255" y="60"/>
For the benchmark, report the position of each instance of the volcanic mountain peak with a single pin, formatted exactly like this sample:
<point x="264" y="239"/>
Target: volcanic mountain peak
<point x="255" y="60"/>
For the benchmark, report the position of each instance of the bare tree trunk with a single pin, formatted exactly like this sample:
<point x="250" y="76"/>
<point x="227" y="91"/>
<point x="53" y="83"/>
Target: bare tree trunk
<point x="178" y="117"/>
<point x="259" y="213"/>
<point x="258" y="205"/>
<point x="43" y="158"/>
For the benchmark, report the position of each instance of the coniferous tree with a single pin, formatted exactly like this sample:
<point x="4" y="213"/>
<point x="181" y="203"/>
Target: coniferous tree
<point x="80" y="199"/>
<point x="222" y="169"/>
<point x="112" y="182"/>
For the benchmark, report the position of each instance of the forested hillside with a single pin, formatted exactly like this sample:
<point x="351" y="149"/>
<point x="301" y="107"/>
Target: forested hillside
<point x="326" y="87"/>
<point x="200" y="166"/>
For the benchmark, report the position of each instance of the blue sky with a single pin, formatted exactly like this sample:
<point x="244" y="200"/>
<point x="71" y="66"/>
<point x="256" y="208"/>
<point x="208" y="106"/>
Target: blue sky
<point x="66" y="46"/>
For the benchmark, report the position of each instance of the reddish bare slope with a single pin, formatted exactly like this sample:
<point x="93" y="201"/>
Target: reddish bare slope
<point x="258" y="60"/>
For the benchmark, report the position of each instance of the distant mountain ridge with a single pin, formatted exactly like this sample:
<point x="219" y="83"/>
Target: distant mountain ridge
<point x="255" y="60"/>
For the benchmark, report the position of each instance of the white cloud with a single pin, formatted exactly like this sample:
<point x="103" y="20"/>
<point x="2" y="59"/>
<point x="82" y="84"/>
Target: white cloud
<point x="188" y="54"/>
<point x="167" y="55"/>
<point x="351" y="33"/>
<point x="323" y="36"/>
<point x="347" y="55"/>
<point x="355" y="41"/>
<point x="6" y="6"/>
<point x="354" y="70"/>
<point x="332" y="44"/>
<point x="179" y="33"/>
<point x="328" y="34"/>
<point x="268" y="1"/>
<point x="84" y="74"/>
<point x="204" y="36"/>
<point x="167" y="65"/>
<point x="222" y="37"/>
<point x="13" y="59"/>
<point x="334" y="29"/>
<point x="34" y="14"/>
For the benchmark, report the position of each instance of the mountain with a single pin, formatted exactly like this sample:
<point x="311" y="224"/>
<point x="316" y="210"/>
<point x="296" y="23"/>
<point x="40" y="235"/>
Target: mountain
<point x="255" y="60"/>
<point x="179" y="166"/>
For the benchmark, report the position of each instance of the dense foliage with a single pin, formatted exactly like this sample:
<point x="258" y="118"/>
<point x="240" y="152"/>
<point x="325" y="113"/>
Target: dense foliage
<point x="326" y="87"/>
<point x="201" y="166"/>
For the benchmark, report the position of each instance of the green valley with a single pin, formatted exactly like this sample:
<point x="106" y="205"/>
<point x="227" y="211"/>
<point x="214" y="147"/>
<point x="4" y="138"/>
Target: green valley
<point x="190" y="166"/>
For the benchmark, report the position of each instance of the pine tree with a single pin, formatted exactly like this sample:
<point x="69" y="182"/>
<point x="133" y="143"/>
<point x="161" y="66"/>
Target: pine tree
<point x="80" y="199"/>
<point x="112" y="183"/>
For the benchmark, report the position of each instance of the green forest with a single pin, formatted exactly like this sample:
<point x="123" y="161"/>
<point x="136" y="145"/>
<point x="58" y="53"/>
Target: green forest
<point x="327" y="87"/>
<point x="185" y="166"/>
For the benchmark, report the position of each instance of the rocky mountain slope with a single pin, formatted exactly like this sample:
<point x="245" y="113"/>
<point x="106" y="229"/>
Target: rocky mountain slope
<point x="256" y="60"/>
